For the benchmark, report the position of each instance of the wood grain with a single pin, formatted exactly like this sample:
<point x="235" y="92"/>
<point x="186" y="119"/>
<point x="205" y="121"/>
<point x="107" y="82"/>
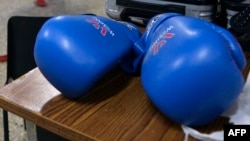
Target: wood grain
<point x="115" y="109"/>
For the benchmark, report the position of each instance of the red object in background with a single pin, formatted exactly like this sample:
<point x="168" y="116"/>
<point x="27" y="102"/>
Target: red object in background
<point x="3" y="58"/>
<point x="40" y="2"/>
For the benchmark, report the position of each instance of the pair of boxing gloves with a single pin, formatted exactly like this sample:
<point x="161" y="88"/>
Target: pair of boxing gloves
<point x="189" y="68"/>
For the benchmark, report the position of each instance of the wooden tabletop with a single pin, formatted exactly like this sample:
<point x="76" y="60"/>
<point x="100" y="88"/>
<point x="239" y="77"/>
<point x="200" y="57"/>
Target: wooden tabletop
<point x="116" y="109"/>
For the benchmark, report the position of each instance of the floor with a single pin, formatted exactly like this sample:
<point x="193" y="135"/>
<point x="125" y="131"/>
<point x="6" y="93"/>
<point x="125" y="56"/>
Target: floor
<point x="28" y="8"/>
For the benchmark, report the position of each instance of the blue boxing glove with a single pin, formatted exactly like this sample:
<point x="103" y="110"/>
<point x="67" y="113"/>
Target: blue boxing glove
<point x="192" y="68"/>
<point x="131" y="63"/>
<point x="74" y="51"/>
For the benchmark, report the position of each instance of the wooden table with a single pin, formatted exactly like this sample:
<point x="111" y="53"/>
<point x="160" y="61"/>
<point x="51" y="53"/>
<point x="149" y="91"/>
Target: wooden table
<point x="116" y="109"/>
